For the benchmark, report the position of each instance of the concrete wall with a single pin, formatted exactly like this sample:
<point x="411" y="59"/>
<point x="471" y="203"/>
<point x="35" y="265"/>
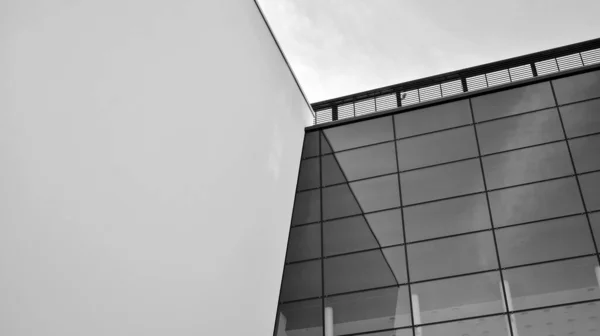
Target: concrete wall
<point x="148" y="157"/>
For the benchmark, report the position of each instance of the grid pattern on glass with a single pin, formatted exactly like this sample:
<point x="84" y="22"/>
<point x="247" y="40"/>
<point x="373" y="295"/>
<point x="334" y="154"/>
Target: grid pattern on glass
<point x="577" y="88"/>
<point x="540" y="235"/>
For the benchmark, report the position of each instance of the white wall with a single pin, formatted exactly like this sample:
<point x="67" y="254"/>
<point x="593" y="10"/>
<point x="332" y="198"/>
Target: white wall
<point x="148" y="156"/>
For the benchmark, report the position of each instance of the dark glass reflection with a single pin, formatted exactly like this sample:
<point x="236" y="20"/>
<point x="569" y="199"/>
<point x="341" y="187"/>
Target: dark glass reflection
<point x="387" y="226"/>
<point x="578" y="87"/>
<point x="437" y="148"/>
<point x="325" y="147"/>
<point x="554" y="239"/>
<point x="581" y="118"/>
<point x="459" y="297"/>
<point x="519" y="131"/>
<point x="370" y="311"/>
<point x="586" y="153"/>
<point x="443" y="218"/>
<point x="535" y="202"/>
<point x="486" y="326"/>
<point x="304" y="243"/>
<point x="368" y="161"/>
<point x="332" y="173"/>
<point x="360" y="134"/>
<point x="590" y="187"/>
<point x="433" y="118"/>
<point x="527" y="165"/>
<point x="513" y="101"/>
<point x="449" y="180"/>
<point x="301" y="281"/>
<point x="339" y="201"/>
<point x="311" y="144"/>
<point x="357" y="271"/>
<point x="595" y="222"/>
<point x="347" y="235"/>
<point x="300" y="318"/>
<point x="452" y="256"/>
<point x="377" y="193"/>
<point x="396" y="258"/>
<point x="573" y="320"/>
<point x="552" y="283"/>
<point x="309" y="174"/>
<point x="307" y="207"/>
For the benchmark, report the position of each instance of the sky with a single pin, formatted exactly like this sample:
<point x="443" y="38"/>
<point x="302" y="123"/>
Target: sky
<point x="341" y="47"/>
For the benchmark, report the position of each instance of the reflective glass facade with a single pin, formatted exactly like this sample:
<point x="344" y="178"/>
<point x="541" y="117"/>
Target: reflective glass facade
<point x="475" y="217"/>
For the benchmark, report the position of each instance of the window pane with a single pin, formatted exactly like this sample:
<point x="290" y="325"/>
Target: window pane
<point x="396" y="258"/>
<point x="356" y="272"/>
<point x="311" y="144"/>
<point x="458" y="297"/>
<point x="332" y="173"/>
<point x="437" y="148"/>
<point x="377" y="193"/>
<point x="338" y="201"/>
<point x="301" y="281"/>
<point x="368" y="161"/>
<point x="347" y="235"/>
<point x="307" y="207"/>
<point x="325" y="148"/>
<point x="369" y="311"/>
<point x="309" y="174"/>
<point x="452" y="256"/>
<point x="487" y="326"/>
<point x="300" y="318"/>
<point x="360" y="133"/>
<point x="527" y="165"/>
<point x="582" y="118"/>
<point x="554" y="239"/>
<point x="590" y="186"/>
<point x="305" y="243"/>
<point x="585" y="153"/>
<point x="514" y="101"/>
<point x="595" y="221"/>
<point x="535" y="202"/>
<point x="397" y="332"/>
<point x="553" y="283"/>
<point x="578" y="87"/>
<point x="441" y="181"/>
<point x="387" y="226"/>
<point x="443" y="218"/>
<point x="519" y="131"/>
<point x="432" y="118"/>
<point x="576" y="320"/>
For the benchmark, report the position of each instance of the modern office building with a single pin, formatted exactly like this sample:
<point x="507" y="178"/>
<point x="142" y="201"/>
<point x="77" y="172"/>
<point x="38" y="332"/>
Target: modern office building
<point x="464" y="204"/>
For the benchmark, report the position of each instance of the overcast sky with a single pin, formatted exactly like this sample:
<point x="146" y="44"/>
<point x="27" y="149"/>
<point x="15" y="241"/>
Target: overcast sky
<point x="340" y="47"/>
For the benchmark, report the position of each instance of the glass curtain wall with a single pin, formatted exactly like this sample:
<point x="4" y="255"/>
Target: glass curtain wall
<point x="475" y="217"/>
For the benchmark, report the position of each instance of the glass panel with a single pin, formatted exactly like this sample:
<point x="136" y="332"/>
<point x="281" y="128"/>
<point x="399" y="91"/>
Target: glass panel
<point x="452" y="256"/>
<point x="595" y="221"/>
<point x="585" y="153"/>
<point x="304" y="243"/>
<point x="377" y="193"/>
<point x="307" y="207"/>
<point x="437" y="148"/>
<point x="553" y="283"/>
<point x="325" y="148"/>
<point x="433" y="118"/>
<point x="582" y="118"/>
<point x="575" y="320"/>
<point x="487" y="326"/>
<point x="519" y="131"/>
<point x="309" y="174"/>
<point x="514" y="101"/>
<point x="301" y="281"/>
<point x="300" y="318"/>
<point x="360" y="133"/>
<point x="339" y="201"/>
<point x="387" y="226"/>
<point x="457" y="215"/>
<point x="458" y="297"/>
<point x="311" y="144"/>
<point x="332" y="173"/>
<point x="372" y="310"/>
<point x="535" y="202"/>
<point x="554" y="239"/>
<point x="368" y="161"/>
<point x="527" y="165"/>
<point x="397" y="332"/>
<point x="441" y="181"/>
<point x="590" y="187"/>
<point x="578" y="87"/>
<point x="347" y="235"/>
<point x="396" y="258"/>
<point x="356" y="272"/>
